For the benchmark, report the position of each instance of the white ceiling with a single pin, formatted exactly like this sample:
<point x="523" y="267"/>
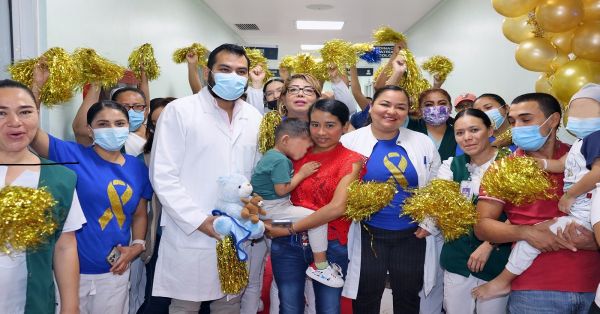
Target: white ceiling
<point x="277" y="19"/>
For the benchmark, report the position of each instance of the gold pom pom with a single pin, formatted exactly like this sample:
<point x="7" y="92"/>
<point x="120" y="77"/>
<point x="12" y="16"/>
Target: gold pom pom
<point x="442" y="201"/>
<point x="504" y="139"/>
<point x="361" y="48"/>
<point x="266" y="130"/>
<point x="287" y="63"/>
<point x="413" y="83"/>
<point x="388" y="73"/>
<point x="306" y="63"/>
<point x="94" y="68"/>
<point x="233" y="273"/>
<point x="27" y="219"/>
<point x="517" y="180"/>
<point x="386" y="35"/>
<point x="143" y="57"/>
<point x="339" y="53"/>
<point x="367" y="198"/>
<point x="438" y="65"/>
<point x="61" y="80"/>
<point x="257" y="58"/>
<point x="179" y="56"/>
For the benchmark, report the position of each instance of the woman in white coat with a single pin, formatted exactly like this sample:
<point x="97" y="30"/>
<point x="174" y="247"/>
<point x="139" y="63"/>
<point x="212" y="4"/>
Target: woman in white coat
<point x="387" y="242"/>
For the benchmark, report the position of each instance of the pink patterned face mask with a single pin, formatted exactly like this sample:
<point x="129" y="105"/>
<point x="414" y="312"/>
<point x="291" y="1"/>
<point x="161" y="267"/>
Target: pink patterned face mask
<point x="436" y="115"/>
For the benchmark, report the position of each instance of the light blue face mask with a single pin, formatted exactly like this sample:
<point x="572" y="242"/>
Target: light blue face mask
<point x="582" y="127"/>
<point x="135" y="119"/>
<point x="111" y="139"/>
<point x="529" y="137"/>
<point x="229" y="86"/>
<point x="496" y="116"/>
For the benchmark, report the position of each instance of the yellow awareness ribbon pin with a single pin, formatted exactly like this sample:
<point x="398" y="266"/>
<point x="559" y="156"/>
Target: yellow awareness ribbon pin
<point x="397" y="170"/>
<point x="116" y="204"/>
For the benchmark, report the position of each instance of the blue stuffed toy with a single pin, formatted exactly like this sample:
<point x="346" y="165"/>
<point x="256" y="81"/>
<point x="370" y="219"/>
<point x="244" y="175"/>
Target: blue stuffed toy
<point x="232" y="189"/>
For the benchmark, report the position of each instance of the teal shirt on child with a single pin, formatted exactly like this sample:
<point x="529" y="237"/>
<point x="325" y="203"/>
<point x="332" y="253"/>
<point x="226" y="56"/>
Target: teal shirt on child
<point x="273" y="168"/>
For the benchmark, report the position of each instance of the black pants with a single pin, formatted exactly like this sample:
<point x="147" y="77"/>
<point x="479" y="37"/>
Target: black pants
<point x="402" y="255"/>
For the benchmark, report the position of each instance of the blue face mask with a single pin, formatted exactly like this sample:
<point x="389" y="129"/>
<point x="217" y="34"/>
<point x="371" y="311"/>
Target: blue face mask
<point x="582" y="127"/>
<point x="111" y="139"/>
<point x="229" y="86"/>
<point x="135" y="119"/>
<point x="496" y="116"/>
<point x="529" y="137"/>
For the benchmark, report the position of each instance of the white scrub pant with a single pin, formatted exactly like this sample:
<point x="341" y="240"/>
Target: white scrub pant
<point x="104" y="293"/>
<point x="256" y="269"/>
<point x="458" y="298"/>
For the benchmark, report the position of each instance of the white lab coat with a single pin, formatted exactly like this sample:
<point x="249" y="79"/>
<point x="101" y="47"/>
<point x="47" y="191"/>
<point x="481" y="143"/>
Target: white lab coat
<point x="193" y="146"/>
<point x="426" y="160"/>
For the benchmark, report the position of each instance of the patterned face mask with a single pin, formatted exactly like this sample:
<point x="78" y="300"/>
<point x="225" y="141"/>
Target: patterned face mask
<point x="436" y="115"/>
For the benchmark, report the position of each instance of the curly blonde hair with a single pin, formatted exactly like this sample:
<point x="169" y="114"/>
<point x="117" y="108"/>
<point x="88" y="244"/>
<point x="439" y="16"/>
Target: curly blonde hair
<point x="311" y="80"/>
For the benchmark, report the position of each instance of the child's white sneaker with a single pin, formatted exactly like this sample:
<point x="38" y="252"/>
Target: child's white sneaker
<point x="330" y="276"/>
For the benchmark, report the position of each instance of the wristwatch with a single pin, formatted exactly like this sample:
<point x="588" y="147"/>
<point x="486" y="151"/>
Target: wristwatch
<point x="138" y="241"/>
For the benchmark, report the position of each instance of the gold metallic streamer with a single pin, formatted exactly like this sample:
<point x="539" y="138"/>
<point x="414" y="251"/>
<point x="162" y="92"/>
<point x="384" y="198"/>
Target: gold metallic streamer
<point x="360" y="48"/>
<point x="504" y="139"/>
<point x="287" y="62"/>
<point x="413" y="81"/>
<point x="61" y="81"/>
<point x="367" y="198"/>
<point x="517" y="180"/>
<point x="257" y="58"/>
<point x="438" y="65"/>
<point x="143" y="57"/>
<point x="233" y="273"/>
<point x="386" y="35"/>
<point x="339" y="53"/>
<point x="179" y="56"/>
<point x="380" y="69"/>
<point x="266" y="130"/>
<point x="94" y="68"/>
<point x="27" y="219"/>
<point x="442" y="201"/>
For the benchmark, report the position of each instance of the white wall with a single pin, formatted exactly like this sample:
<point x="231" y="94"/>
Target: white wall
<point x="115" y="27"/>
<point x="469" y="32"/>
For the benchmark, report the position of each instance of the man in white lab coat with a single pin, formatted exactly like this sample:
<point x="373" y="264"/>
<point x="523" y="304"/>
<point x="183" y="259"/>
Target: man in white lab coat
<point x="198" y="139"/>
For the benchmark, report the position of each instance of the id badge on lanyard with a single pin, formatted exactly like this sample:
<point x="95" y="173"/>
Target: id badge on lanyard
<point x="466" y="190"/>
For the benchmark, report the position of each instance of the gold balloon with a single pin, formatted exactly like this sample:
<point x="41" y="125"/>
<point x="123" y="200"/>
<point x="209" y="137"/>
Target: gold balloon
<point x="591" y="10"/>
<point x="516" y="29"/>
<point x="559" y="15"/>
<point x="558" y="61"/>
<point x="586" y="41"/>
<point x="543" y="84"/>
<point x="536" y="54"/>
<point x="562" y="41"/>
<point x="569" y="78"/>
<point x="514" y="8"/>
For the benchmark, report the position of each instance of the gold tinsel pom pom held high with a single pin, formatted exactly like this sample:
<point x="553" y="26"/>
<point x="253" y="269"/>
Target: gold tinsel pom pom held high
<point x="61" y="81"/>
<point x="438" y="65"/>
<point x="414" y="83"/>
<point x="143" y="57"/>
<point x="517" y="180"/>
<point x="339" y="53"/>
<point x="266" y="130"/>
<point x="442" y="201"/>
<point x="94" y="68"/>
<point x="27" y="219"/>
<point x="179" y="56"/>
<point x="386" y="35"/>
<point x="257" y="58"/>
<point x="233" y="273"/>
<point x="367" y="198"/>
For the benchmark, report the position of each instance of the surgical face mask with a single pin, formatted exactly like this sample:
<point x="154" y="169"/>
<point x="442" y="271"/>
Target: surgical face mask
<point x="582" y="127"/>
<point x="529" y="137"/>
<point x="111" y="139"/>
<point x="496" y="116"/>
<point x="229" y="86"/>
<point x="135" y="119"/>
<point x="436" y="115"/>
